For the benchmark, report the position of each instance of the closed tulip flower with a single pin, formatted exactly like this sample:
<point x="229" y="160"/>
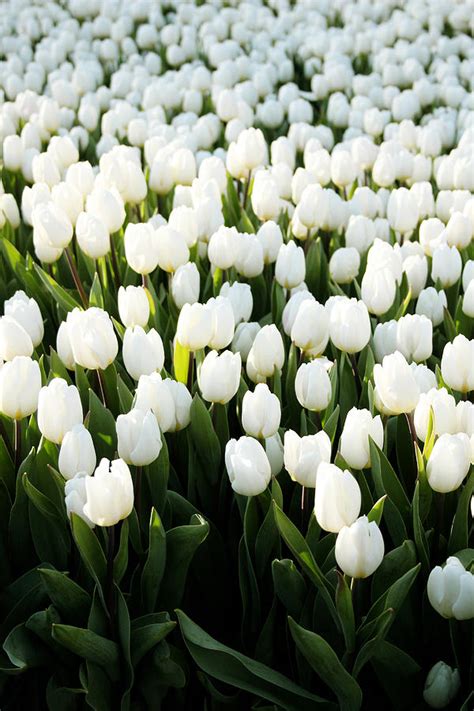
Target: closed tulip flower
<point x="195" y="327"/>
<point x="107" y="205"/>
<point x="223" y="247"/>
<point x="303" y="455"/>
<point x="441" y="685"/>
<point x="133" y="306"/>
<point x="247" y="466"/>
<point x="360" y="233"/>
<point x="138" y="437"/>
<point x="415" y="337"/>
<point x="109" y="493"/>
<point x="274" y="452"/>
<point x="244" y="337"/>
<point x="249" y="262"/>
<point x="141" y="247"/>
<point x="468" y="300"/>
<point x="183" y="219"/>
<point x="354" y="446"/>
<point x="292" y="307"/>
<point x="385" y="339"/>
<point x="75" y="497"/>
<point x="223" y="325"/>
<point x="14" y="339"/>
<point x="92" y="338"/>
<point x="92" y="236"/>
<point x="402" y="211"/>
<point x="446" y="266"/>
<point x="142" y="352"/>
<point x="261" y="412"/>
<point x="337" y="498"/>
<point x="20" y="384"/>
<point x="449" y="462"/>
<point x="360" y="548"/>
<point x="290" y="267"/>
<point x="310" y="330"/>
<point x="266" y="355"/>
<point x="344" y="265"/>
<point x="77" y="453"/>
<point x="169" y="401"/>
<point x="219" y="376"/>
<point x="26" y="312"/>
<point x="457" y="364"/>
<point x="443" y="407"/>
<point x="465" y="417"/>
<point x="416" y="269"/>
<point x="59" y="409"/>
<point x="349" y="325"/>
<point x="171" y="248"/>
<point x="185" y="285"/>
<point x="424" y="377"/>
<point x="51" y="225"/>
<point x="241" y="300"/>
<point x="313" y="386"/>
<point x="431" y="303"/>
<point x="451" y="590"/>
<point x="396" y="385"/>
<point x="378" y="290"/>
<point x="270" y="237"/>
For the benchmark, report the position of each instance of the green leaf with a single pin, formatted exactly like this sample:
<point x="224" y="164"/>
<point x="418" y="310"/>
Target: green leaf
<point x="234" y="668"/>
<point x="392" y="598"/>
<point x="394" y="565"/>
<point x="376" y="512"/>
<point x="345" y="611"/>
<point x="90" y="646"/>
<point x="300" y="549"/>
<point x="459" y="536"/>
<point x="369" y="649"/>
<point x="143" y="639"/>
<point x="322" y="658"/>
<point x="102" y="428"/>
<point x="386" y="480"/>
<point x="181" y="544"/>
<point x="24" y="649"/>
<point x="181" y="358"/>
<point x="72" y="601"/>
<point x="121" y="558"/>
<point x="204" y="437"/>
<point x="90" y="549"/>
<point x="330" y="426"/>
<point x="60" y="295"/>
<point x="290" y="586"/>
<point x="155" y="563"/>
<point x="96" y="297"/>
<point x="419" y="532"/>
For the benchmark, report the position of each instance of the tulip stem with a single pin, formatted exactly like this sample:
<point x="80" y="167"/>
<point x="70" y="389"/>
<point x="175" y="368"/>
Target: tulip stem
<point x="76" y="278"/>
<point x="144" y="281"/>
<point x="191" y="371"/>
<point x="110" y="573"/>
<point x="115" y="269"/>
<point x="138" y="491"/>
<point x="246" y="191"/>
<point x="411" y="427"/>
<point x="357" y="379"/>
<point x="17" y="444"/>
<point x="101" y="386"/>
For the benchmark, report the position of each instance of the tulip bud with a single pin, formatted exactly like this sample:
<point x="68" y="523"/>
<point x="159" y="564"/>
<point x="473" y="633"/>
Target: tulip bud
<point x="195" y="327"/>
<point x="402" y="211"/>
<point x="183" y="219"/>
<point x="468" y="300"/>
<point x="443" y="407"/>
<point x="378" y="290"/>
<point x="359" y="548"/>
<point x="310" y="330"/>
<point x="303" y="455"/>
<point x="59" y="409"/>
<point x="451" y="590"/>
<point x="446" y="266"/>
<point x="457" y="364"/>
<point x="249" y="260"/>
<point x="142" y="352"/>
<point x="266" y="355"/>
<point x="224" y="247"/>
<point x="75" y="497"/>
<point x="92" y="236"/>
<point x="360" y="233"/>
<point x="139" y="438"/>
<point x="344" y="265"/>
<point x="337" y="498"/>
<point x="290" y="267"/>
<point x="241" y="300"/>
<point x="270" y="237"/>
<point x="431" y="303"/>
<point x="416" y="269"/>
<point x="313" y="386"/>
<point x="354" y="446"/>
<point x="424" y="377"/>
<point x="247" y="466"/>
<point x="109" y="493"/>
<point x="169" y="401"/>
<point x="77" y="453"/>
<point x="349" y="325"/>
<point x="107" y="205"/>
<point x="396" y="385"/>
<point x="26" y="312"/>
<point x="219" y="376"/>
<point x="14" y="339"/>
<point x="141" y="248"/>
<point x="92" y="339"/>
<point x="415" y="337"/>
<point x="20" y="384"/>
<point x="261" y="412"/>
<point x="465" y="417"/>
<point x="133" y="306"/>
<point x="274" y="452"/>
<point x="222" y="318"/>
<point x="449" y="462"/>
<point x="244" y="337"/>
<point x="51" y="225"/>
<point x="171" y="249"/>
<point x="185" y="285"/>
<point x="441" y="685"/>
<point x="385" y="339"/>
<point x="292" y="307"/>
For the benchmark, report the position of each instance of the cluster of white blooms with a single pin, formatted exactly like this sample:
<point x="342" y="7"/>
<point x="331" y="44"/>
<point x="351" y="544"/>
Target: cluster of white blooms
<point x="247" y="193"/>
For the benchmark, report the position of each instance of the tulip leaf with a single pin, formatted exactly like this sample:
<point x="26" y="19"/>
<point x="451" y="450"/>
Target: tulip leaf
<point x="376" y="512"/>
<point x="205" y="439"/>
<point x="289" y="585"/>
<point x="102" y="428"/>
<point x="72" y="601"/>
<point x="144" y="638"/>
<point x="324" y="661"/>
<point x="60" y="295"/>
<point x="181" y="358"/>
<point x="330" y="426"/>
<point x="232" y="667"/>
<point x="386" y="480"/>
<point x="370" y="648"/>
<point x="345" y="609"/>
<point x="90" y="549"/>
<point x="155" y="563"/>
<point x="393" y="598"/>
<point x="96" y="297"/>
<point x="459" y="536"/>
<point x="121" y="558"/>
<point x="395" y="564"/>
<point x="419" y="532"/>
<point x="90" y="646"/>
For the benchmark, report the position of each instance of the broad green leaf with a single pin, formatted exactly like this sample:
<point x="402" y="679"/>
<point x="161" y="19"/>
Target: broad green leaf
<point x="181" y="358"/>
<point x="204" y="437"/>
<point x="419" y="532"/>
<point x="102" y="428"/>
<point x="376" y="512"/>
<point x="60" y="295"/>
<point x="72" y="601"/>
<point x="323" y="659"/>
<point x="459" y="536"/>
<point x="155" y="563"/>
<point x="290" y="586"/>
<point x="89" y="646"/>
<point x="143" y="639"/>
<point x="345" y="610"/>
<point x="90" y="549"/>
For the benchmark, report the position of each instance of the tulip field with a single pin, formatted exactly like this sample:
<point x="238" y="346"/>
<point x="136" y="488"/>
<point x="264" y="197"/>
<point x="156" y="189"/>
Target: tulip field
<point x="236" y="355"/>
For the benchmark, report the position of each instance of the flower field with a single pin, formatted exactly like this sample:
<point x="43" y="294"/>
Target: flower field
<point x="236" y="355"/>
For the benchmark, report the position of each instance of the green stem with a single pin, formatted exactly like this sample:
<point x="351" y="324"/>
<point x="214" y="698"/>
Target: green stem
<point x="76" y="277"/>
<point x="17" y="444"/>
